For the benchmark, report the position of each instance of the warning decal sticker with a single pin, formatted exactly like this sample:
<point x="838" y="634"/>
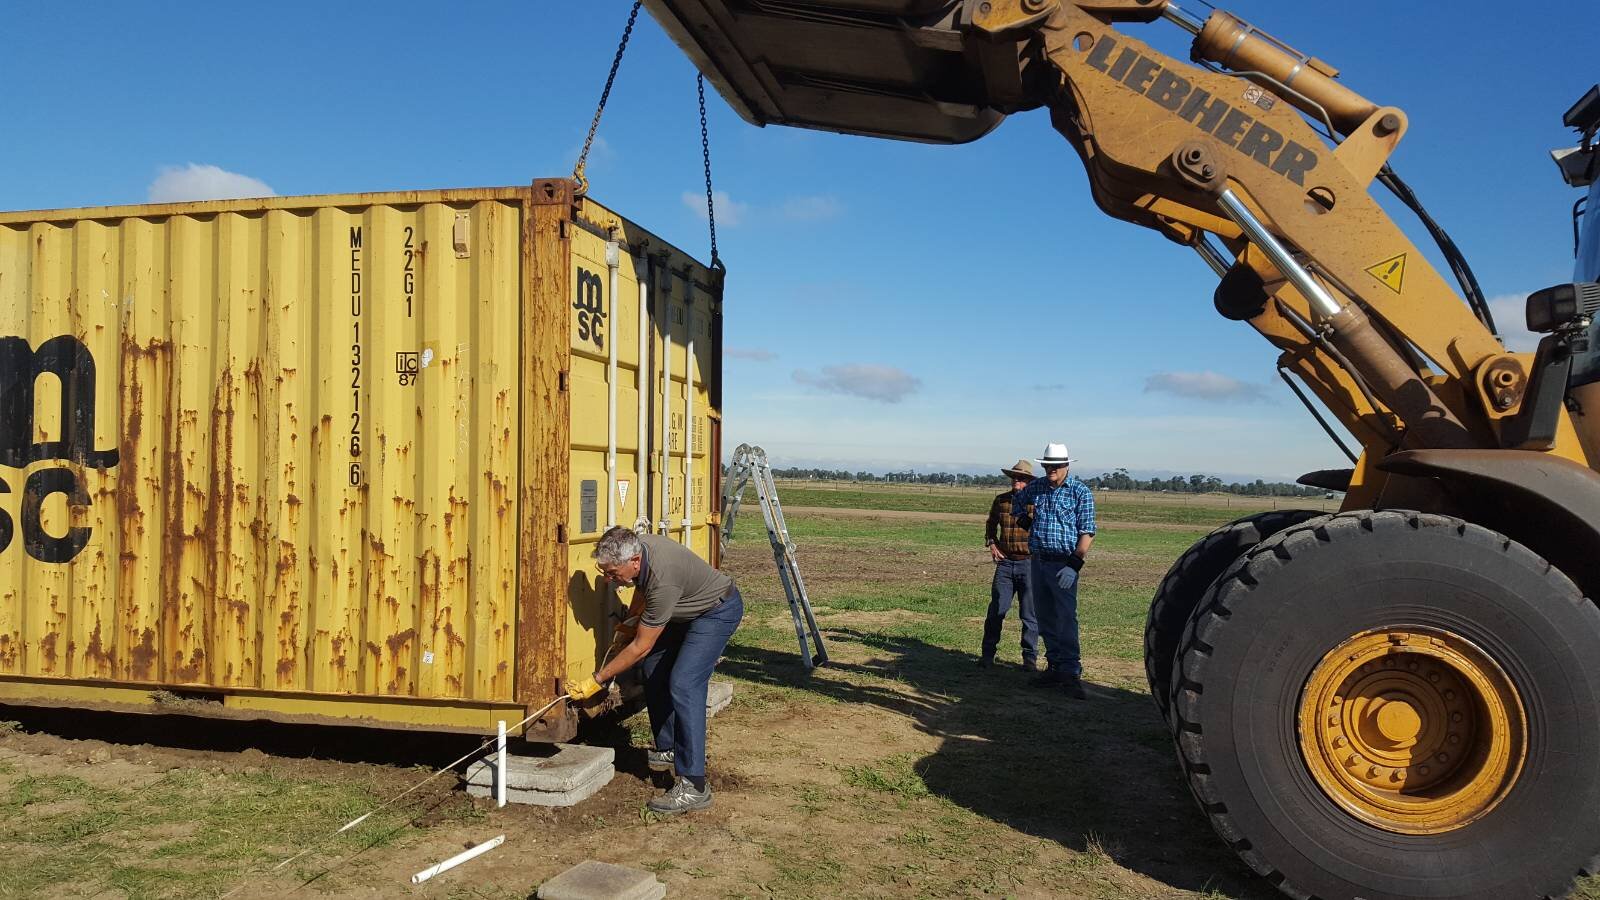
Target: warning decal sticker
<point x="1391" y="272"/>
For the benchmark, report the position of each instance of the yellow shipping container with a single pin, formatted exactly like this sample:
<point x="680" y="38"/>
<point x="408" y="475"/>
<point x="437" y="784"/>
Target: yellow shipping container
<point x="340" y="458"/>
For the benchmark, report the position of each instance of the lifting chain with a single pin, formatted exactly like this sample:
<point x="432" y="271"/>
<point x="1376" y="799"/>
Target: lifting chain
<point x="583" y="157"/>
<point x="705" y="155"/>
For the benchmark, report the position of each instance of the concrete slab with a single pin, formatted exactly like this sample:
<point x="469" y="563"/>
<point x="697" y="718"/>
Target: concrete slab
<point x="534" y="797"/>
<point x="571" y="766"/>
<point x="570" y="775"/>
<point x="591" y="880"/>
<point x="718" y="695"/>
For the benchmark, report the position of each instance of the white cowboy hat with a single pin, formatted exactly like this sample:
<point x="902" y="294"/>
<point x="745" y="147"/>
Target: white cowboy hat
<point x="1054" y="455"/>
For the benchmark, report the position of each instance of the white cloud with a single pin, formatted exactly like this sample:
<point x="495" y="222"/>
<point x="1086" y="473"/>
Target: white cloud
<point x="811" y="208"/>
<point x="729" y="212"/>
<point x="178" y="184"/>
<point x="1212" y="386"/>
<point x="754" y="354"/>
<point x="1510" y="317"/>
<point x="885" y="384"/>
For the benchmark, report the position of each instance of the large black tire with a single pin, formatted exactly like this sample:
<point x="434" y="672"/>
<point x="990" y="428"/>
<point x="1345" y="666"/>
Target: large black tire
<point x="1271" y="620"/>
<point x="1187" y="581"/>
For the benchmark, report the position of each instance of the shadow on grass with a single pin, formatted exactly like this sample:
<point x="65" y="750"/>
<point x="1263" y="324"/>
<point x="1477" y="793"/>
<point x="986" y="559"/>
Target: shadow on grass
<point x="1096" y="776"/>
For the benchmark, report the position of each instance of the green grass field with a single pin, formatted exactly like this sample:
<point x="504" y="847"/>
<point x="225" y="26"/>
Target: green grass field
<point x="900" y="770"/>
<point x="1201" y="510"/>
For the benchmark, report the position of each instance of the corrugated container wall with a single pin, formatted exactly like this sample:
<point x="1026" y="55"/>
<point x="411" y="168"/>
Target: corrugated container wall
<point x="340" y="457"/>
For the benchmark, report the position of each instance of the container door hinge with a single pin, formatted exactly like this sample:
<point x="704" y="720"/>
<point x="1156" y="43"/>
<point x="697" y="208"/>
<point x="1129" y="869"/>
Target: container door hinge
<point x="561" y="382"/>
<point x="459" y="236"/>
<point x="561" y="532"/>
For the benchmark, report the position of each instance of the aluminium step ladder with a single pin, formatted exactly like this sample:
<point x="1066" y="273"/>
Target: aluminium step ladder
<point x="750" y="465"/>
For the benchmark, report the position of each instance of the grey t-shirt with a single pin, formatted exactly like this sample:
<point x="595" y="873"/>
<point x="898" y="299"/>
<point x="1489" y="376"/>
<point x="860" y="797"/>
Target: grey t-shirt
<point x="677" y="585"/>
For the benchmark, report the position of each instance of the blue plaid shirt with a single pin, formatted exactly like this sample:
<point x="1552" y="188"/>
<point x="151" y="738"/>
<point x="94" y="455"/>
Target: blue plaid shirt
<point x="1060" y="514"/>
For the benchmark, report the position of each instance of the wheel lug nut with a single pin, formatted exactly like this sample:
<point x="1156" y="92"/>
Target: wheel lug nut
<point x="1455" y="738"/>
<point x="1412" y="667"/>
<point x="1397" y="775"/>
<point x="1443" y="757"/>
<point x="1449" y="695"/>
<point x="1352" y="760"/>
<point x="1373" y="772"/>
<point x="1455" y="717"/>
<point x="1423" y="770"/>
<point x="1433" y="676"/>
<point x="1339" y="741"/>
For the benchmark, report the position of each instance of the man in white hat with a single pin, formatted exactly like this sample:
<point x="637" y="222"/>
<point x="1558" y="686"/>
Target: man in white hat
<point x="1058" y="541"/>
<point x="1007" y="538"/>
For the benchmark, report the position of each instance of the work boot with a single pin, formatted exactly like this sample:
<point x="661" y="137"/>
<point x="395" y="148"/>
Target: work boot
<point x="680" y="798"/>
<point x="1050" y="677"/>
<point x="1029" y="665"/>
<point x="1072" y="686"/>
<point x="658" y="760"/>
<point x="986" y="661"/>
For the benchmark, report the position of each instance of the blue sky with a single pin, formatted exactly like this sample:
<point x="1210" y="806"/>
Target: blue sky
<point x="889" y="304"/>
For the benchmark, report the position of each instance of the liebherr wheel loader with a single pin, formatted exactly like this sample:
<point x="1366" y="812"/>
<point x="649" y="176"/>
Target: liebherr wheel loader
<point x="1399" y="700"/>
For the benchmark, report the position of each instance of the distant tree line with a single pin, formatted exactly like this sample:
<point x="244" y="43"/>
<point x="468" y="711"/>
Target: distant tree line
<point x="1120" y="480"/>
<point x="1116" y="480"/>
<point x="908" y="477"/>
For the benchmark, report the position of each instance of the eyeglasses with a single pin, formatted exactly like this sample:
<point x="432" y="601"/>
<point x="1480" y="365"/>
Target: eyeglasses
<point x="1051" y="467"/>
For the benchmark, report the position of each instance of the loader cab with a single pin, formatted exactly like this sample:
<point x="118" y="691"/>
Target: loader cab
<point x="1580" y="168"/>
<point x="1586" y="221"/>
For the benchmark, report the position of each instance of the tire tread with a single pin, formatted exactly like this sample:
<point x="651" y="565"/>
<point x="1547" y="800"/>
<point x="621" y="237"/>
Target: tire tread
<point x="1246" y="575"/>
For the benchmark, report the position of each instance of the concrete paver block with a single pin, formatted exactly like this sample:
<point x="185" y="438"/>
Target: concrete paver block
<point x="718" y="695"/>
<point x="591" y="880"/>
<point x="534" y="797"/>
<point x="574" y="773"/>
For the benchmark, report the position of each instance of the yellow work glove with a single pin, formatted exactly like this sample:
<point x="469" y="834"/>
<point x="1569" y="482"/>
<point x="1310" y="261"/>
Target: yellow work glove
<point x="584" y="689"/>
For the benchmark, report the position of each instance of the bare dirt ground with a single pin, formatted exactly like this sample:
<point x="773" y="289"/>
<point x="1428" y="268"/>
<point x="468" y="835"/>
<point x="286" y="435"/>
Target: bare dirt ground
<point x="898" y="771"/>
<point x="845" y="797"/>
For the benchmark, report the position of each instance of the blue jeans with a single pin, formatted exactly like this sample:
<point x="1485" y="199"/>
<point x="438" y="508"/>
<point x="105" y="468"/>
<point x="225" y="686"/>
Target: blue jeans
<point x="1011" y="579"/>
<point x="677" y="672"/>
<point x="1055" y="597"/>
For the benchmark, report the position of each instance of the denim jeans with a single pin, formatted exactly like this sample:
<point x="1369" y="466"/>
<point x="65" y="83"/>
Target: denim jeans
<point x="1011" y="580"/>
<point x="677" y="671"/>
<point x="1055" y="599"/>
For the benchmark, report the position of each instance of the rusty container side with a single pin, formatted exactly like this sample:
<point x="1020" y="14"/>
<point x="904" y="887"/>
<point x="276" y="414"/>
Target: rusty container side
<point x="684" y="304"/>
<point x="270" y="448"/>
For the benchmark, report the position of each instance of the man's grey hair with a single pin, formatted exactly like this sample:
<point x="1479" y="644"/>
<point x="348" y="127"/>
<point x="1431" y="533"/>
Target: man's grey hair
<point x="618" y="545"/>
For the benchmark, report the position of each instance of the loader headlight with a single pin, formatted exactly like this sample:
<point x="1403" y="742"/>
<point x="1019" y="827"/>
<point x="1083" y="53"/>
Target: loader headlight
<point x="1562" y="306"/>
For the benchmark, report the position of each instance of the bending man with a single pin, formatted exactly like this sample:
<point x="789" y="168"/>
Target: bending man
<point x="687" y="612"/>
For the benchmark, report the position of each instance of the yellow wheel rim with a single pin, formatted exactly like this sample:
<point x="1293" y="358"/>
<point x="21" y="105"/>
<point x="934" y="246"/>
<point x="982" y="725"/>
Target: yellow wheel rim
<point x="1413" y="730"/>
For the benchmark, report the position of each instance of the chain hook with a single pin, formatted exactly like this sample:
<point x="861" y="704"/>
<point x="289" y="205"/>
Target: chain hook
<point x="605" y="94"/>
<point x="705" y="155"/>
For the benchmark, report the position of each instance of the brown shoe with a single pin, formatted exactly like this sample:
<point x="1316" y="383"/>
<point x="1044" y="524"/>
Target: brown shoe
<point x="1049" y="678"/>
<point x="1072" y="686"/>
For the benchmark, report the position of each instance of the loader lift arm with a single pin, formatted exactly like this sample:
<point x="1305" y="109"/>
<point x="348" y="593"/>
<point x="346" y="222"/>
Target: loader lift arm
<point x="1451" y="590"/>
<point x="1194" y="152"/>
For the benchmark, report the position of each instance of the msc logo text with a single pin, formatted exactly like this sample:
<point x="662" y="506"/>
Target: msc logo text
<point x="21" y="368"/>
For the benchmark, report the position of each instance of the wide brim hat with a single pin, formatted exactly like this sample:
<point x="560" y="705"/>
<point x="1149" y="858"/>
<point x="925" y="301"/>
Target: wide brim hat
<point x="1023" y="469"/>
<point x="1054" y="455"/>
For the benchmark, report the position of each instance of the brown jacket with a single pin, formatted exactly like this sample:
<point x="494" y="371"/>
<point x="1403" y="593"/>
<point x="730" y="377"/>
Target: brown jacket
<point x="1003" y="528"/>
